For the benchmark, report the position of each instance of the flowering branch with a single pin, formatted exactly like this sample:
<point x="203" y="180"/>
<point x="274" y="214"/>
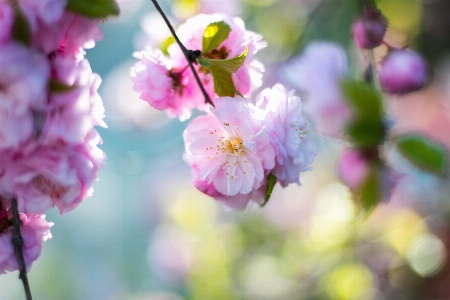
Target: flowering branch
<point x="17" y="241"/>
<point x="191" y="55"/>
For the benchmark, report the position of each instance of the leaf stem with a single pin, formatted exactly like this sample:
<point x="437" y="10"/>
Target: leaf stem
<point x="17" y="241"/>
<point x="191" y="55"/>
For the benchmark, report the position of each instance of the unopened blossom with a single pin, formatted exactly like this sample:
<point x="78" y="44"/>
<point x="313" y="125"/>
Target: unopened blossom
<point x="368" y="31"/>
<point x="34" y="231"/>
<point x="353" y="168"/>
<point x="317" y="74"/>
<point x="289" y="132"/>
<point x="163" y="87"/>
<point x="23" y="89"/>
<point x="402" y="71"/>
<point x="229" y="147"/>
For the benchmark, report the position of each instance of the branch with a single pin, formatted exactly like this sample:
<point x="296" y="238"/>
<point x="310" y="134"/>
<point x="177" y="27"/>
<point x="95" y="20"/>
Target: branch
<point x="17" y="241"/>
<point x="191" y="55"/>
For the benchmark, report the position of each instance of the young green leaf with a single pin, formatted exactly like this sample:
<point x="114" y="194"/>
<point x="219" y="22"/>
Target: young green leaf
<point x="21" y="31"/>
<point x="366" y="129"/>
<point x="204" y="62"/>
<point x="94" y="9"/>
<point x="369" y="193"/>
<point x="56" y="86"/>
<point x="230" y="65"/>
<point x="223" y="84"/>
<point x="271" y="181"/>
<point x="423" y="153"/>
<point x="214" y="34"/>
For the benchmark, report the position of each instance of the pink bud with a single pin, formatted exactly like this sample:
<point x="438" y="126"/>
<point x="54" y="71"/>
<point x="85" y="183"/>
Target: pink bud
<point x="402" y="71"/>
<point x="353" y="168"/>
<point x="368" y="31"/>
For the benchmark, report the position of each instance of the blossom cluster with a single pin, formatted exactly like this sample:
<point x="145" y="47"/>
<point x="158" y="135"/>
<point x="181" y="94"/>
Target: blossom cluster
<point x="245" y="143"/>
<point x="238" y="145"/>
<point x="49" y="106"/>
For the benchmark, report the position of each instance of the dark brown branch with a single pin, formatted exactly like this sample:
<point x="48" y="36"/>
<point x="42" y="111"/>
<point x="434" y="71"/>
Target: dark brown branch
<point x="17" y="241"/>
<point x="191" y="55"/>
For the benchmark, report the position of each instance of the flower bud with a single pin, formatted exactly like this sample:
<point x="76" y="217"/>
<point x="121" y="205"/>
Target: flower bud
<point x="402" y="71"/>
<point x="353" y="168"/>
<point x="368" y="31"/>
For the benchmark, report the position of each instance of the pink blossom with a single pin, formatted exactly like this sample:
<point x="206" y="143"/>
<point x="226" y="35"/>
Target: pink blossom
<point x="230" y="148"/>
<point x="72" y="114"/>
<point x="402" y="71"/>
<point x="23" y="89"/>
<point x="163" y="87"/>
<point x="288" y="130"/>
<point x="35" y="231"/>
<point x="6" y="22"/>
<point x="317" y="73"/>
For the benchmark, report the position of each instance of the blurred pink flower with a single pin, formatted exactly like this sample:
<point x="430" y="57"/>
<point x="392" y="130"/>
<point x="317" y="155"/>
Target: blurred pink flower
<point x="44" y="176"/>
<point x="353" y="168"/>
<point x="402" y="71"/>
<point x="317" y="73"/>
<point x="23" y="89"/>
<point x="70" y="34"/>
<point x="288" y="131"/>
<point x="71" y="115"/>
<point x="6" y="22"/>
<point x="230" y="148"/>
<point x="35" y="231"/>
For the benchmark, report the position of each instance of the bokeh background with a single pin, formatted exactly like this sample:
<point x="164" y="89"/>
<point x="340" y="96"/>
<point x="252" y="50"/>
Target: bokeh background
<point x="148" y="234"/>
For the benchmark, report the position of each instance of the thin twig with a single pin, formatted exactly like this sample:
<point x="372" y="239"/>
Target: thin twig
<point x="17" y="241"/>
<point x="189" y="54"/>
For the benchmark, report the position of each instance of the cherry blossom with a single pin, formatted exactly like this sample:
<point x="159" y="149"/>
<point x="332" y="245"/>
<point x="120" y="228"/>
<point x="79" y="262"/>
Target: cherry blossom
<point x="230" y="148"/>
<point x="289" y="133"/>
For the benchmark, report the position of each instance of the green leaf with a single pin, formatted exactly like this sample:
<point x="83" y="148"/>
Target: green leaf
<point x="366" y="129"/>
<point x="230" y="65"/>
<point x="223" y="84"/>
<point x="363" y="98"/>
<point x="221" y="70"/>
<point x="94" y="9"/>
<point x="21" y="31"/>
<point x="214" y="34"/>
<point x="423" y="153"/>
<point x="57" y="87"/>
<point x="166" y="43"/>
<point x="271" y="181"/>
<point x="369" y="193"/>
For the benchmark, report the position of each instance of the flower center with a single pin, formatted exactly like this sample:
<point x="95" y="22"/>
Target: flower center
<point x="234" y="145"/>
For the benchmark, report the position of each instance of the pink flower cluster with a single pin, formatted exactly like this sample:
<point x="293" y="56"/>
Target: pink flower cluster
<point x="233" y="149"/>
<point x="166" y="82"/>
<point x="49" y="106"/>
